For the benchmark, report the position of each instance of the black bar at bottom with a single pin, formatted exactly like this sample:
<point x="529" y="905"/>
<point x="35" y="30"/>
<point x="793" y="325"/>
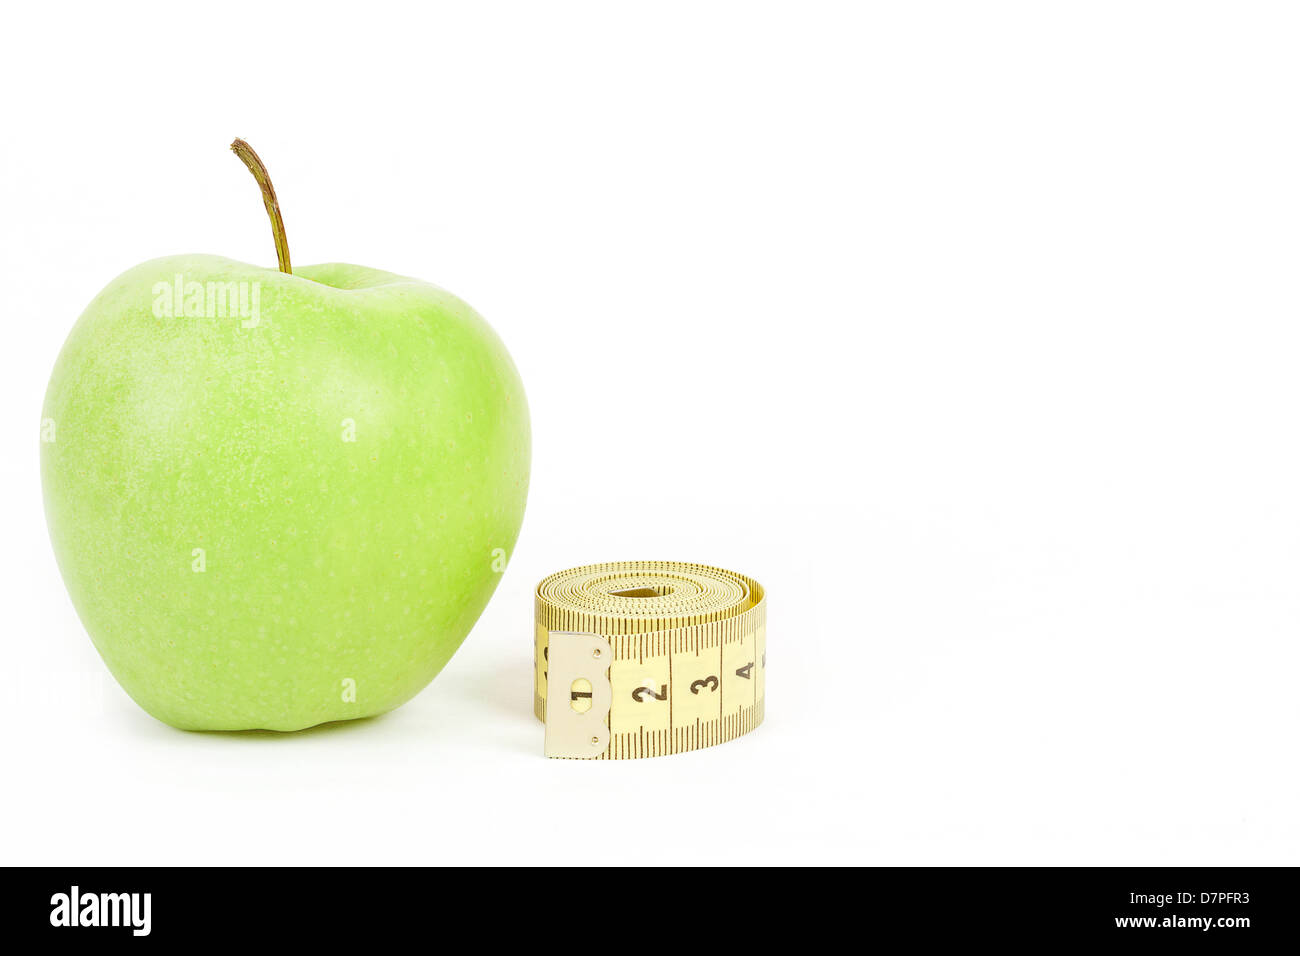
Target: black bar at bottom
<point x="660" y="908"/>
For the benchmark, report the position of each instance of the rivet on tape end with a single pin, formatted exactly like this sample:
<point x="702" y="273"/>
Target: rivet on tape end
<point x="578" y="694"/>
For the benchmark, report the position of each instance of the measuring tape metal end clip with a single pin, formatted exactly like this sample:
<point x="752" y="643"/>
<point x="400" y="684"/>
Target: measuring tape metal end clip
<point x="645" y="658"/>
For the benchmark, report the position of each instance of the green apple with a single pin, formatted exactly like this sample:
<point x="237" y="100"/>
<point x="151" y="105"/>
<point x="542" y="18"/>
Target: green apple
<point x="280" y="498"/>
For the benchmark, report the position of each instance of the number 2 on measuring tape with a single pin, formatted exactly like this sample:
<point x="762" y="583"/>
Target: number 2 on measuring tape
<point x="641" y="693"/>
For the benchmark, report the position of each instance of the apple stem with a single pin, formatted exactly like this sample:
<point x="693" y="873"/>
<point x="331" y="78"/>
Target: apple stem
<point x="258" y="169"/>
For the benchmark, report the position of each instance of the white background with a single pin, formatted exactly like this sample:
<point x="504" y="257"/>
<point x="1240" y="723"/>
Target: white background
<point x="970" y="330"/>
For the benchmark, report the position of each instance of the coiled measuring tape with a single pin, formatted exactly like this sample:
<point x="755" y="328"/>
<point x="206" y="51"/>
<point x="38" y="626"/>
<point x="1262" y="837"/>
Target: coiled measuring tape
<point x="645" y="658"/>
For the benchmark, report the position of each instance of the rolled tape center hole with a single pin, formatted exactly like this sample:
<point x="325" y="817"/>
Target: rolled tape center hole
<point x="658" y="591"/>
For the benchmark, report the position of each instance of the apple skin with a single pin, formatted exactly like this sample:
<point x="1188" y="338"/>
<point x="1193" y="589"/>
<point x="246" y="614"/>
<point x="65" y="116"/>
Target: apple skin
<point x="239" y="558"/>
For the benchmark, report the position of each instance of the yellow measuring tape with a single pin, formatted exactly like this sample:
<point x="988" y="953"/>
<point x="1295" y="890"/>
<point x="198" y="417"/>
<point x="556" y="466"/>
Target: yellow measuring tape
<point x="645" y="658"/>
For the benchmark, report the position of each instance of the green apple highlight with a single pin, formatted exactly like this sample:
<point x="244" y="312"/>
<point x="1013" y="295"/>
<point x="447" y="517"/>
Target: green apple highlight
<point x="290" y="512"/>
